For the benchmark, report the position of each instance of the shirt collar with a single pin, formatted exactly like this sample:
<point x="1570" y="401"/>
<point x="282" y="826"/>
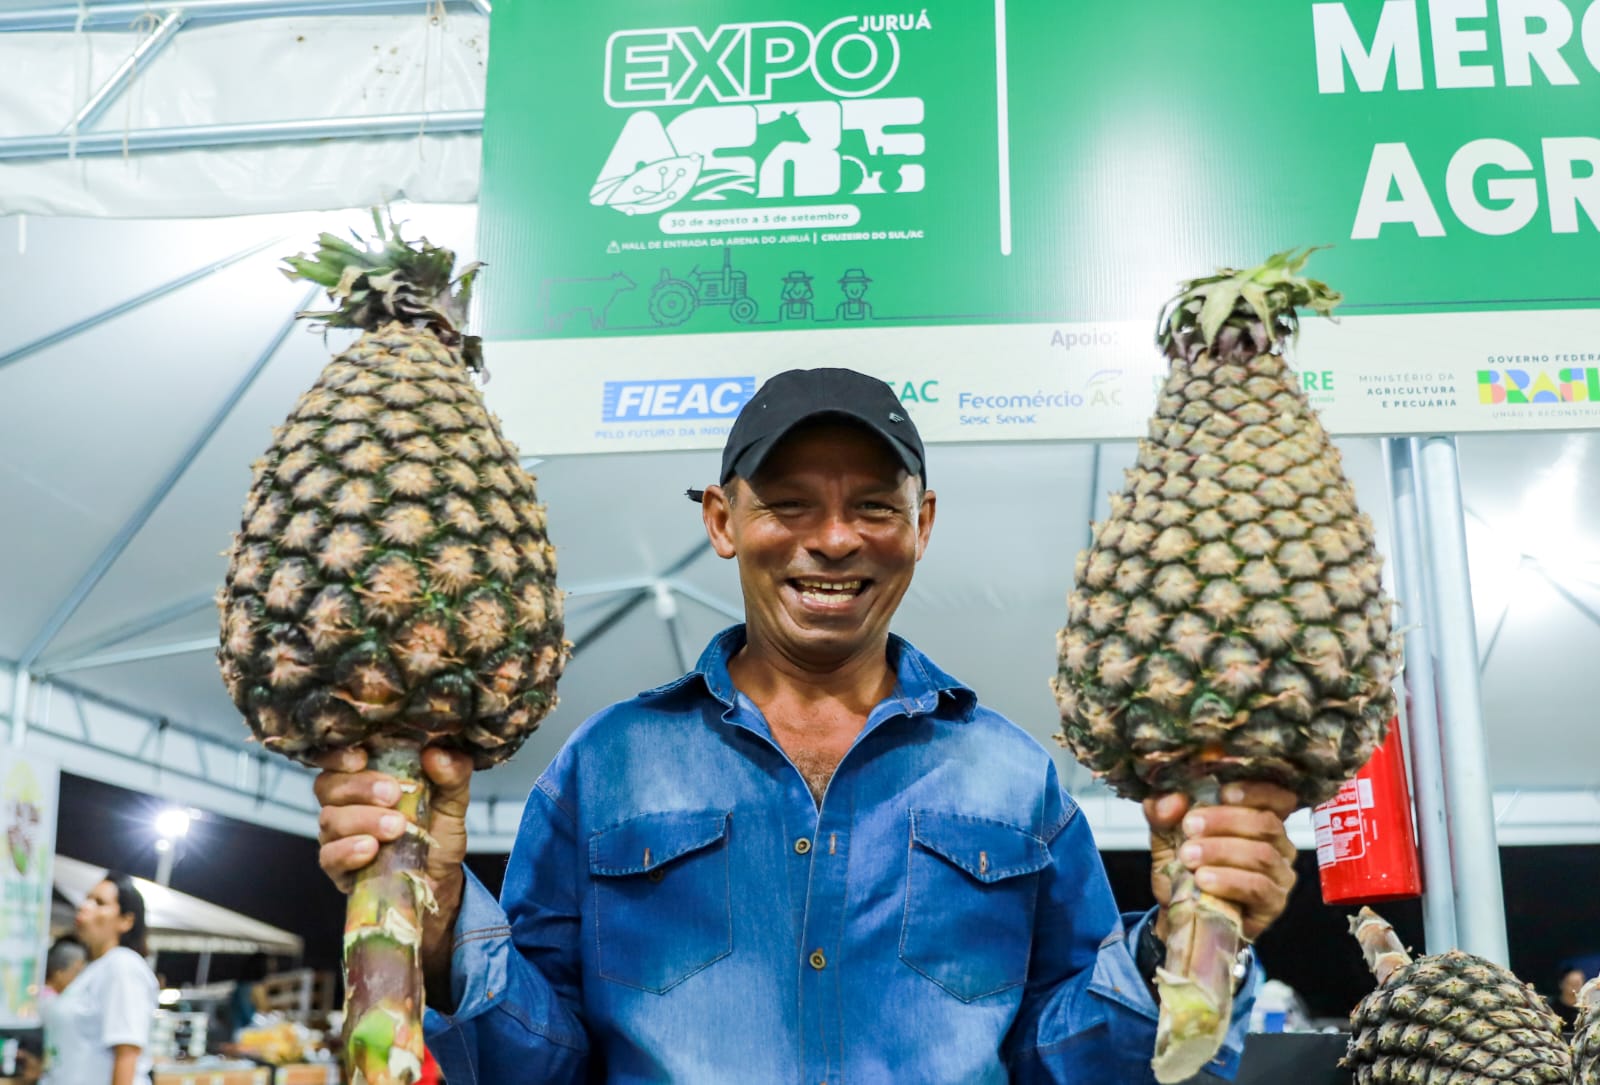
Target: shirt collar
<point x="919" y="682"/>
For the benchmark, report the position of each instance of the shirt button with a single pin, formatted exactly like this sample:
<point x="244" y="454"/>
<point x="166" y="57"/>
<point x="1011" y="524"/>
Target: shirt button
<point x="818" y="961"/>
<point x="802" y="846"/>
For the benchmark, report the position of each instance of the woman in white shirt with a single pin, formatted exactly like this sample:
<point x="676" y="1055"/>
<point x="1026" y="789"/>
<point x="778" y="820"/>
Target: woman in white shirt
<point x="98" y="1031"/>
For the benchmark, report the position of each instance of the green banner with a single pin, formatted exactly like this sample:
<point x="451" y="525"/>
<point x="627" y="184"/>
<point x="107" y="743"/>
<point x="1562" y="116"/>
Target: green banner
<point x="29" y="786"/>
<point x="671" y="168"/>
<point x="1453" y="154"/>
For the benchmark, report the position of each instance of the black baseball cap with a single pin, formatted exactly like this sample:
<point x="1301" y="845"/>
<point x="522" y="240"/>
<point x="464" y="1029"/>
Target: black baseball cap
<point x="805" y="395"/>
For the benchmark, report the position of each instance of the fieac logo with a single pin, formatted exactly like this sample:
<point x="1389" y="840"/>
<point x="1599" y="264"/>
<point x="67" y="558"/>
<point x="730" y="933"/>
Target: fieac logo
<point x="688" y="397"/>
<point x="1526" y="386"/>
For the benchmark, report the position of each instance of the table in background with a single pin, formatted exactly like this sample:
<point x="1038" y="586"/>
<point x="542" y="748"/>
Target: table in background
<point x="306" y="1074"/>
<point x="172" y="1075"/>
<point x="1282" y="1058"/>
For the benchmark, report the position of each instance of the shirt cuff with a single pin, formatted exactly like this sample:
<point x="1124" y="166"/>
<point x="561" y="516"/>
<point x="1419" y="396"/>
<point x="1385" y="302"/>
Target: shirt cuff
<point x="1116" y="978"/>
<point x="478" y="961"/>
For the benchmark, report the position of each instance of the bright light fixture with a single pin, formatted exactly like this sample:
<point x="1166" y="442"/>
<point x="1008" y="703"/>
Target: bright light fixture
<point x="170" y="996"/>
<point x="172" y="823"/>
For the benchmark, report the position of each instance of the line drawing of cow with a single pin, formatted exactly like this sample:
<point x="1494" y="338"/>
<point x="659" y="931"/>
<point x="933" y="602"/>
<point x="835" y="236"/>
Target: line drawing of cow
<point x="784" y="128"/>
<point x="770" y="135"/>
<point x="564" y="299"/>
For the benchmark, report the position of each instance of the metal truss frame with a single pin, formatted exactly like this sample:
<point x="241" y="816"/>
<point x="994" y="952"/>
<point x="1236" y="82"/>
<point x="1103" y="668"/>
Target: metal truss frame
<point x="80" y="137"/>
<point x="128" y="746"/>
<point x="121" y="14"/>
<point x="1532" y="564"/>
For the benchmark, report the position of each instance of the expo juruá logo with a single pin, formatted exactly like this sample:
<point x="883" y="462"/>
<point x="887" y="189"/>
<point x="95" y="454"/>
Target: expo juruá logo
<point x="760" y="111"/>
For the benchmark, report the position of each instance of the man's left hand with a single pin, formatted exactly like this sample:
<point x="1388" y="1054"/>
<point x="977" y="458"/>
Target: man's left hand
<point x="1238" y="851"/>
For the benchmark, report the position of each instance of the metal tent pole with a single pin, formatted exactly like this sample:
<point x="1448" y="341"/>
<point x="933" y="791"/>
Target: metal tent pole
<point x="1468" y="790"/>
<point x="1098" y="500"/>
<point x="1422" y="712"/>
<point x="141" y="516"/>
<point x="643" y="591"/>
<point x="130" y="655"/>
<point x="120" y="14"/>
<point x="20" y="681"/>
<point x="55" y="662"/>
<point x="711" y="602"/>
<point x="146" y="140"/>
<point x="126" y="72"/>
<point x="667" y="611"/>
<point x="78" y="327"/>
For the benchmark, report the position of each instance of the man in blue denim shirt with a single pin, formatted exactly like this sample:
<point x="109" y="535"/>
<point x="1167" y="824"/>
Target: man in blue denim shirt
<point x="816" y="858"/>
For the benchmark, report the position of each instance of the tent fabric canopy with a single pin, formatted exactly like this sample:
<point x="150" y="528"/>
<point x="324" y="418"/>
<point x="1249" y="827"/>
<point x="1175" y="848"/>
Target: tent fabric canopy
<point x="180" y="923"/>
<point x="229" y="108"/>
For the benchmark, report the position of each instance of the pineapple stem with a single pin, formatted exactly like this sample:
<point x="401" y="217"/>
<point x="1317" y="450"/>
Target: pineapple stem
<point x="1384" y="951"/>
<point x="383" y="938"/>
<point x="1589" y="996"/>
<point x="1204" y="934"/>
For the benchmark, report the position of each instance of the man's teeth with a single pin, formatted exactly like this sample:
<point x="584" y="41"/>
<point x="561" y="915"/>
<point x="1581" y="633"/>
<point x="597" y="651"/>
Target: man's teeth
<point x="828" y="590"/>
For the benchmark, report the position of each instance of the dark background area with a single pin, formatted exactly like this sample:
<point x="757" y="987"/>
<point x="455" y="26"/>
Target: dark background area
<point x="1549" y="917"/>
<point x="273" y="876"/>
<point x="259" y="872"/>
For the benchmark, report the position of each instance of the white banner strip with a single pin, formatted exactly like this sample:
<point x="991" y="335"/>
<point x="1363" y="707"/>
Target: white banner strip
<point x="1432" y="373"/>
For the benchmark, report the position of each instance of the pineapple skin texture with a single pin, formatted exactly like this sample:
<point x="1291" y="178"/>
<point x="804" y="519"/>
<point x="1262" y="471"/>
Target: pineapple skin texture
<point x="1455" y="1019"/>
<point x="1228" y="621"/>
<point x="392" y="577"/>
<point x="1586" y="1036"/>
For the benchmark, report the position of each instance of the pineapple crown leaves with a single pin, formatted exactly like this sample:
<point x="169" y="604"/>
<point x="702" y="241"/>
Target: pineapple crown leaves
<point x="389" y="278"/>
<point x="1194" y="319"/>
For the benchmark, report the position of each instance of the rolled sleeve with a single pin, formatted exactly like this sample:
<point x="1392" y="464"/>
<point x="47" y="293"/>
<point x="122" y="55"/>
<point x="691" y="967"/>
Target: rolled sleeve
<point x="478" y="960"/>
<point x="508" y="1024"/>
<point x="1117" y="980"/>
<point x="1089" y="1016"/>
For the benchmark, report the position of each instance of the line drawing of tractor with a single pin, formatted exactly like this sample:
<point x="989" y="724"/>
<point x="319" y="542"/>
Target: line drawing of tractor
<point x="853" y="149"/>
<point x="672" y="301"/>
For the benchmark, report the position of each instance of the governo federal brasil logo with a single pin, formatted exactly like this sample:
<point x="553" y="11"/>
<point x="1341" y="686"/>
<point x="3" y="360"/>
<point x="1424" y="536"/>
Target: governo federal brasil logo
<point x="1526" y="386"/>
<point x="758" y="111"/>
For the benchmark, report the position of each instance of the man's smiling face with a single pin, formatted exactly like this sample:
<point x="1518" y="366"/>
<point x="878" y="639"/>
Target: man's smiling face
<point x="827" y="535"/>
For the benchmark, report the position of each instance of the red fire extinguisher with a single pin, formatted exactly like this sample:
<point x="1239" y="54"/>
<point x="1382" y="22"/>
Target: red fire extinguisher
<point x="1366" y="848"/>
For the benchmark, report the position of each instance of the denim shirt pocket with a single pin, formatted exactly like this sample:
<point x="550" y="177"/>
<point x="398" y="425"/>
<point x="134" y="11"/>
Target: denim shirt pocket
<point x="971" y="891"/>
<point x="662" y="908"/>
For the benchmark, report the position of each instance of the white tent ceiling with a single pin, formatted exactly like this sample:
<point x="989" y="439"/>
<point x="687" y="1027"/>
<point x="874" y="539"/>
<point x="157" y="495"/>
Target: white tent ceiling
<point x="254" y="105"/>
<point x="94" y="425"/>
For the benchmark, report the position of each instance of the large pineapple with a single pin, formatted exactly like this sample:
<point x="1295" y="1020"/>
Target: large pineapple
<point x="1227" y="622"/>
<point x="1586" y="1036"/>
<point x="1448" y="1019"/>
<point x="391" y="586"/>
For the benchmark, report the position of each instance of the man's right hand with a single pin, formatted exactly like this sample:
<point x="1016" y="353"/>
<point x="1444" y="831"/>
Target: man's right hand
<point x="358" y="813"/>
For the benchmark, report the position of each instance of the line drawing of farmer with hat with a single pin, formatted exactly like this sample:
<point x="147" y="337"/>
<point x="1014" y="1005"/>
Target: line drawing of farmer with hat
<point x="854" y="306"/>
<point x="796" y="298"/>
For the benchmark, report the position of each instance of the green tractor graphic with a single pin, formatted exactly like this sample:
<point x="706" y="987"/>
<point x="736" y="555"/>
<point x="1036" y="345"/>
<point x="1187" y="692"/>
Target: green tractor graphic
<point x="879" y="171"/>
<point x="672" y="301"/>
